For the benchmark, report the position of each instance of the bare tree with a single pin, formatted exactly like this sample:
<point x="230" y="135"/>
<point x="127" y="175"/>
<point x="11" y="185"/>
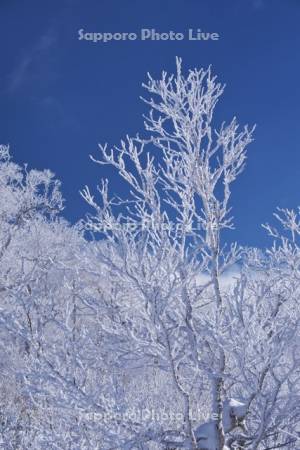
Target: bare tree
<point x="169" y="231"/>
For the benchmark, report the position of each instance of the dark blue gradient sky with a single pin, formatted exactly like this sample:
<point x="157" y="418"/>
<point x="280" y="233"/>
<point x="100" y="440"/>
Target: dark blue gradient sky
<point x="61" y="96"/>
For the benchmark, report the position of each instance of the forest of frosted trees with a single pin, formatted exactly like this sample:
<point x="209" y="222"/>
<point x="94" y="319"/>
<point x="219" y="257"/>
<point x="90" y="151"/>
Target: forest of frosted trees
<point x="138" y="327"/>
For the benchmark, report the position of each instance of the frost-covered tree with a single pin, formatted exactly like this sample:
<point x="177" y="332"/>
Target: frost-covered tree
<point x="168" y="233"/>
<point x="41" y="314"/>
<point x="154" y="334"/>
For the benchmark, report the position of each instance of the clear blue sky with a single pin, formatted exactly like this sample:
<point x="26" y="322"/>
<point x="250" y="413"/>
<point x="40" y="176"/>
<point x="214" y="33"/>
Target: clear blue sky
<point x="61" y="96"/>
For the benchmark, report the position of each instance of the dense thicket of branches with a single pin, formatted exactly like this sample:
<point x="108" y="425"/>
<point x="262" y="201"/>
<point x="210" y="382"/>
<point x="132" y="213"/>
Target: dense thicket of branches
<point x="154" y="335"/>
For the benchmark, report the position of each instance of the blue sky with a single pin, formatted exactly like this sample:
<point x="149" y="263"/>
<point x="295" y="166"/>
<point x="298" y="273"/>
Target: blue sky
<point x="61" y="96"/>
